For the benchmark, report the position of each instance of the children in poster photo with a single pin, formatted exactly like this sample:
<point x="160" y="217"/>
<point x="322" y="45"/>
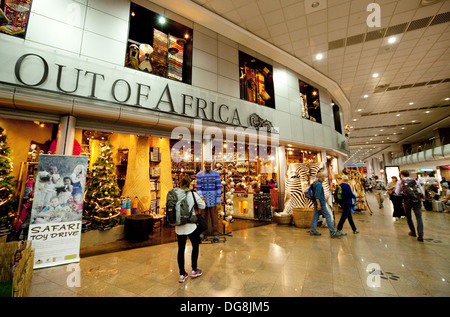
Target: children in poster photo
<point x="59" y="189"/>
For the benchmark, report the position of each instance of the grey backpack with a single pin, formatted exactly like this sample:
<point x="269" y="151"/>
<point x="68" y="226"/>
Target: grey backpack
<point x="177" y="208"/>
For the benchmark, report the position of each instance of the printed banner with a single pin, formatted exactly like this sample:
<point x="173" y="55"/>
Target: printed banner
<point x="56" y="215"/>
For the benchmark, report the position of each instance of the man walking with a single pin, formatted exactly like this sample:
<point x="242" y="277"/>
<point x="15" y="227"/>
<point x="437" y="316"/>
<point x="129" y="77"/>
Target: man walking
<point x="412" y="194"/>
<point x="320" y="207"/>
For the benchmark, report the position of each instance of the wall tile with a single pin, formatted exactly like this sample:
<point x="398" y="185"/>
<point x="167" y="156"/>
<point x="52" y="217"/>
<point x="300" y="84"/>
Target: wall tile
<point x="103" y="48"/>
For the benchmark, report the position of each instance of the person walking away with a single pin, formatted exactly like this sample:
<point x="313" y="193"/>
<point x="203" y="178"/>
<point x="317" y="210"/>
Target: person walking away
<point x="412" y="194"/>
<point x="378" y="191"/>
<point x="346" y="202"/>
<point x="320" y="208"/>
<point x="189" y="230"/>
<point x="396" y="199"/>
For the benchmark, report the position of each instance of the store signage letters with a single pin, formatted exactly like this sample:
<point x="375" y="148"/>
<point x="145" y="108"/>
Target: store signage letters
<point x="121" y="92"/>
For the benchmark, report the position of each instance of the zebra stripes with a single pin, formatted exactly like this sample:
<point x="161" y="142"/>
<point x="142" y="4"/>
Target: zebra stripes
<point x="298" y="179"/>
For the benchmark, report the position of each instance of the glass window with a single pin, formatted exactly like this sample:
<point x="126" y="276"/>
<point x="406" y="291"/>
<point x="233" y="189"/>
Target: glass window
<point x="14" y="15"/>
<point x="337" y="117"/>
<point x="159" y="45"/>
<point x="256" y="81"/>
<point x="310" y="102"/>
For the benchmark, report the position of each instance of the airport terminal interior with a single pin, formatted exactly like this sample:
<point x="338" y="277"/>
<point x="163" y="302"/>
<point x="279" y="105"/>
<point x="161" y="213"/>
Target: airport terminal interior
<point x="311" y="136"/>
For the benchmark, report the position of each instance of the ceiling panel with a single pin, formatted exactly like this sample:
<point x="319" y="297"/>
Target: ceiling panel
<point x="410" y="70"/>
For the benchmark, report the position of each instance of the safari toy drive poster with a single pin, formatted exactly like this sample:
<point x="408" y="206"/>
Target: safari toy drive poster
<point x="57" y="210"/>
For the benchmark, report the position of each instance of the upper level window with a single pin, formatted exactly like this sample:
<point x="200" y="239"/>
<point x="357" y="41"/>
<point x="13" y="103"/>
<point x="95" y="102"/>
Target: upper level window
<point x="310" y="102"/>
<point x="337" y="117"/>
<point x="256" y="81"/>
<point x="159" y="45"/>
<point x="14" y="16"/>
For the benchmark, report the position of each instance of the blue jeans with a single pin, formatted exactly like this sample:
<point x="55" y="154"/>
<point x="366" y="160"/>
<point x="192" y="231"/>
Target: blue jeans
<point x="327" y="216"/>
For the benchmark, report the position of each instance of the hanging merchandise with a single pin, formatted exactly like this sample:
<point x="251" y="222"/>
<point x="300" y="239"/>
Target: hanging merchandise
<point x="160" y="51"/>
<point x="175" y="63"/>
<point x="15" y="16"/>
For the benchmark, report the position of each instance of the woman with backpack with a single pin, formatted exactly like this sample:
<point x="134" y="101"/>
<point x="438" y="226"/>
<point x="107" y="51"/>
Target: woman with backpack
<point x="346" y="203"/>
<point x="189" y="230"/>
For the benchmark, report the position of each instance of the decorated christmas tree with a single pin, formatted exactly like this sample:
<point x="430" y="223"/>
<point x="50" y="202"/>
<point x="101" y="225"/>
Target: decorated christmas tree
<point x="102" y="198"/>
<point x="7" y="186"/>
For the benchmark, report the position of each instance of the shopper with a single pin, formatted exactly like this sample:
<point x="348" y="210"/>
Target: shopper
<point x="320" y="208"/>
<point x="445" y="196"/>
<point x="412" y="194"/>
<point x="378" y="189"/>
<point x="189" y="230"/>
<point x="396" y="199"/>
<point x="347" y="201"/>
<point x="209" y="188"/>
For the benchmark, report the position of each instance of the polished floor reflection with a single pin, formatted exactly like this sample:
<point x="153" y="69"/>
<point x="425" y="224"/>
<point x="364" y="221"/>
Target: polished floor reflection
<point x="273" y="260"/>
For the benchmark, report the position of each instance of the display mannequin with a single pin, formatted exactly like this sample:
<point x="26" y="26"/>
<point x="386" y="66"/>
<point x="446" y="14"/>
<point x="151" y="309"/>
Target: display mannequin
<point x="209" y="188"/>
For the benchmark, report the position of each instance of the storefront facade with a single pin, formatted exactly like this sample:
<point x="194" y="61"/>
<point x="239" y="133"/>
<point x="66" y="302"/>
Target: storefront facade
<point x="72" y="69"/>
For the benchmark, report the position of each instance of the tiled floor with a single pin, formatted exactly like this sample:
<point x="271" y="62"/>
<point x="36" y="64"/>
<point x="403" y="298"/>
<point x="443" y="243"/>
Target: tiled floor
<point x="274" y="260"/>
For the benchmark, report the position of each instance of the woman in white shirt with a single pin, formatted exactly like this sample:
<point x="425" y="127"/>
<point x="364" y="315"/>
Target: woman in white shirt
<point x="189" y="230"/>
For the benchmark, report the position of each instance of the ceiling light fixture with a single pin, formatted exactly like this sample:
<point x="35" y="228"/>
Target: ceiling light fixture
<point x="366" y="96"/>
<point x="315" y="4"/>
<point x="398" y="114"/>
<point x="375" y="75"/>
<point x="319" y="56"/>
<point x="162" y="20"/>
<point x="411" y="103"/>
<point x="392" y="40"/>
<point x="428" y="111"/>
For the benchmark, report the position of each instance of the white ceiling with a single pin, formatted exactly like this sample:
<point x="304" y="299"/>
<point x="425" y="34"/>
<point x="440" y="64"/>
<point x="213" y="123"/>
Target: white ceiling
<point x="353" y="51"/>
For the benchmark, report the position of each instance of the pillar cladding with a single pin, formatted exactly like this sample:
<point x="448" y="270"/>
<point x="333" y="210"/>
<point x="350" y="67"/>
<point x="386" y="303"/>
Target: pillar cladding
<point x="137" y="182"/>
<point x="165" y="179"/>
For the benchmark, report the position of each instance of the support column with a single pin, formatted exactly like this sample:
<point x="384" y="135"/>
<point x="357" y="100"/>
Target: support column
<point x="281" y="159"/>
<point x="66" y="135"/>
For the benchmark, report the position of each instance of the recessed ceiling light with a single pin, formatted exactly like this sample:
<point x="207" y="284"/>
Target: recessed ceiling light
<point x="355" y="119"/>
<point x="428" y="111"/>
<point x="315" y="4"/>
<point x="447" y="99"/>
<point x="411" y="103"/>
<point x="381" y="130"/>
<point x="359" y="110"/>
<point x="398" y="114"/>
<point x="319" y="56"/>
<point x="403" y="128"/>
<point x="375" y="75"/>
<point x="366" y="96"/>
<point x="392" y="40"/>
<point x="413" y="121"/>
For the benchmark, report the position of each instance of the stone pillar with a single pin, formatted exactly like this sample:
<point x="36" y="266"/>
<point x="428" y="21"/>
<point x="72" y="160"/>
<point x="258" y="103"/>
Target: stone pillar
<point x="137" y="182"/>
<point x="66" y="135"/>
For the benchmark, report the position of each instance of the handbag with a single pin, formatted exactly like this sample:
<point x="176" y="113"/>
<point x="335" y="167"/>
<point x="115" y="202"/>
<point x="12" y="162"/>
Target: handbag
<point x="201" y="222"/>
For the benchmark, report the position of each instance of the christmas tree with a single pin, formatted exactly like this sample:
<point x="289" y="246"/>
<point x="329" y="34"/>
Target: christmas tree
<point x="102" y="198"/>
<point x="7" y="186"/>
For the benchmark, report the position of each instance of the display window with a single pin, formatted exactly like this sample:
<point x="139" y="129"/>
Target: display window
<point x="159" y="45"/>
<point x="14" y="15"/>
<point x="297" y="155"/>
<point x="337" y="117"/>
<point x="310" y="102"/>
<point x="256" y="81"/>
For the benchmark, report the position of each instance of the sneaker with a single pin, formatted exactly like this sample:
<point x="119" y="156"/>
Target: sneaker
<point x="342" y="233"/>
<point x="314" y="233"/>
<point x="183" y="278"/>
<point x="420" y="238"/>
<point x="196" y="273"/>
<point x="356" y="231"/>
<point x="335" y="234"/>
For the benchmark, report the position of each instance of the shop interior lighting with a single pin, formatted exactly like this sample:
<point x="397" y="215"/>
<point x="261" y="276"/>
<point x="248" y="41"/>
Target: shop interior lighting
<point x="375" y="75"/>
<point x="411" y="103"/>
<point x="366" y="96"/>
<point x="162" y="20"/>
<point x="319" y="56"/>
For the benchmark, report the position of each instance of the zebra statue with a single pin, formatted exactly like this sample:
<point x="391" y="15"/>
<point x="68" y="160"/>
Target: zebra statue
<point x="298" y="179"/>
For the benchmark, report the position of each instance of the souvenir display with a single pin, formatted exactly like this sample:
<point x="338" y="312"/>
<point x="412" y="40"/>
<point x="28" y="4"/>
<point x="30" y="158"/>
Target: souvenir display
<point x="145" y="57"/>
<point x="175" y="67"/>
<point x="310" y="102"/>
<point x="160" y="52"/>
<point x="14" y="17"/>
